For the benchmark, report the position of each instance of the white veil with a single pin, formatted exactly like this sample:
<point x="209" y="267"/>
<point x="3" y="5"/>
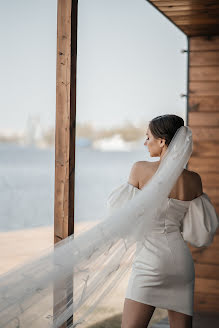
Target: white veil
<point x="85" y="268"/>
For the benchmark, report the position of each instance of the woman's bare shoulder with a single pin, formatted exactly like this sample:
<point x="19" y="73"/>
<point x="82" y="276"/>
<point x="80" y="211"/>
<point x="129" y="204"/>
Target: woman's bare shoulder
<point x="139" y="169"/>
<point x="147" y="164"/>
<point x="146" y="168"/>
<point x="143" y="164"/>
<point x="194" y="179"/>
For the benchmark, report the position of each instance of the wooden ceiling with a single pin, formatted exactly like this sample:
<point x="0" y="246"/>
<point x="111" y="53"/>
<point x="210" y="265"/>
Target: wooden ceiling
<point x="193" y="17"/>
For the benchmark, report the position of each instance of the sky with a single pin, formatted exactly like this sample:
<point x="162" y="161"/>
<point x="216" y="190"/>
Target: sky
<point x="129" y="63"/>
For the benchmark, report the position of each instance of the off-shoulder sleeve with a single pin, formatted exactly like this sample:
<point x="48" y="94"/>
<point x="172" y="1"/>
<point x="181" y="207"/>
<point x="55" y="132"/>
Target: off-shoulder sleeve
<point x="200" y="222"/>
<point x="120" y="195"/>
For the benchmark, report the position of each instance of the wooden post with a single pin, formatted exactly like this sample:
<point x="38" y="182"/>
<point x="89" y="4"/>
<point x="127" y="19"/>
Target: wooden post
<point x="65" y="124"/>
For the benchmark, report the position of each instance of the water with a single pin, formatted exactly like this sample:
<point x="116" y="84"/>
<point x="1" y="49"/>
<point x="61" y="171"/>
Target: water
<point x="27" y="183"/>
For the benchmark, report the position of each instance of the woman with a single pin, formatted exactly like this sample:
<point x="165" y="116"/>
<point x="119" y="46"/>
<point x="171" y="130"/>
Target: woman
<point x="163" y="270"/>
<point x="148" y="211"/>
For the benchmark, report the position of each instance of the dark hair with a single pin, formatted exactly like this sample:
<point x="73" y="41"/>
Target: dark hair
<point x="165" y="126"/>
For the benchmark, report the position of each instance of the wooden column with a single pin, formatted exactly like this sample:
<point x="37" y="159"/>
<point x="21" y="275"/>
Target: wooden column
<point x="65" y="122"/>
<point x="203" y="118"/>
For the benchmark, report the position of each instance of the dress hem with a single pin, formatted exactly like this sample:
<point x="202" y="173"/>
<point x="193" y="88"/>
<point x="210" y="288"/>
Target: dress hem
<point x="161" y="306"/>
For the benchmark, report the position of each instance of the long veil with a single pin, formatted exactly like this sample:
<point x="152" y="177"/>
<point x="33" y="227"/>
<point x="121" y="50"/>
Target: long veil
<point x="85" y="268"/>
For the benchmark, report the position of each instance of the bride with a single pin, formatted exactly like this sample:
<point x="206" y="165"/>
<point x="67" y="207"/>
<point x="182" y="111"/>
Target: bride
<point x="163" y="272"/>
<point x="150" y="218"/>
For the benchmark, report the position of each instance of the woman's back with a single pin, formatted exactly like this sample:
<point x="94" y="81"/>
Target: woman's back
<point x="187" y="187"/>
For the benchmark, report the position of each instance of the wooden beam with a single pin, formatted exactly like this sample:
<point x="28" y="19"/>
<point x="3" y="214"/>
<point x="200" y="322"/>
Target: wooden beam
<point x="186" y="10"/>
<point x="65" y="133"/>
<point x="65" y="120"/>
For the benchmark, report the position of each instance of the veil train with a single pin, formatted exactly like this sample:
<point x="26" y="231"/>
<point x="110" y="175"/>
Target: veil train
<point x="91" y="264"/>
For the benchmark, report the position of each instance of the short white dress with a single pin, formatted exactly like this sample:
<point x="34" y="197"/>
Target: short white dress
<point x="163" y="272"/>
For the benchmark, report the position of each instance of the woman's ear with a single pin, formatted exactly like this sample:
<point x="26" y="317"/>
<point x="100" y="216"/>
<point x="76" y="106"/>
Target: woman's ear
<point x="162" y="142"/>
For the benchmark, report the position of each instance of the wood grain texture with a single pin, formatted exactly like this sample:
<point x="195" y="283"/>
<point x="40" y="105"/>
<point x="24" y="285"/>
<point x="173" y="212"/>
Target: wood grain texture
<point x="209" y="255"/>
<point x="65" y="136"/>
<point x="206" y="133"/>
<point x="203" y="119"/>
<point x="203" y="165"/>
<point x="212" y="192"/>
<point x="208" y="286"/>
<point x="203" y="103"/>
<point x="205" y="149"/>
<point x="62" y="119"/>
<point x="194" y="18"/>
<point x="204" y="58"/>
<point x="204" y="88"/>
<point x="204" y="73"/>
<point x="207" y="304"/>
<point x="204" y="43"/>
<point x="189" y="3"/>
<point x="65" y="120"/>
<point x="187" y="10"/>
<point x="207" y="271"/>
<point x="201" y="29"/>
<point x="210" y="179"/>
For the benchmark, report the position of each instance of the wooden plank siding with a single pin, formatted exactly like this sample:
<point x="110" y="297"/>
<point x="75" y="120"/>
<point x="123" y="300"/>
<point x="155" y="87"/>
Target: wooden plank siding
<point x="203" y="118"/>
<point x="193" y="17"/>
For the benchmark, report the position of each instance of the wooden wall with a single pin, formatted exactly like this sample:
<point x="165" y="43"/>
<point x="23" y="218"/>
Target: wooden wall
<point x="203" y="118"/>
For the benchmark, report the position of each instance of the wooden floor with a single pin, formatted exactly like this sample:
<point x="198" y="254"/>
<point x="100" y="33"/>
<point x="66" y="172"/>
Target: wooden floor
<point x="199" y="321"/>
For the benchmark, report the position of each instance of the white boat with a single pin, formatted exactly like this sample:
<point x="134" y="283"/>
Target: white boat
<point x="114" y="143"/>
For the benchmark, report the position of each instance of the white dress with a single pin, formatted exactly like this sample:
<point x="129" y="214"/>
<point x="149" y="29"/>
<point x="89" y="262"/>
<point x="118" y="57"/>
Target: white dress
<point x="163" y="272"/>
